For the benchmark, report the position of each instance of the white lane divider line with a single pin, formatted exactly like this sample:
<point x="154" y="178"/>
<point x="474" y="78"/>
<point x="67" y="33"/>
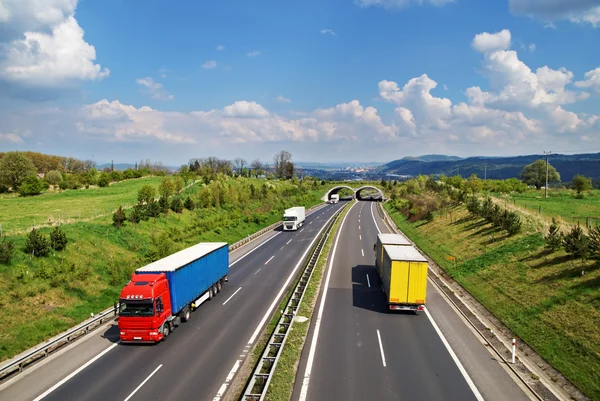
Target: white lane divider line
<point x="381" y="349"/>
<point x="228" y="299"/>
<point x="242" y="257"/>
<point x="257" y="270"/>
<point x="229" y="378"/>
<point x="360" y="237"/>
<point x="66" y="379"/>
<point x="288" y="242"/>
<point x="368" y="281"/>
<point x="363" y="252"/>
<point x="313" y="344"/>
<point x="270" y="259"/>
<point x="310" y="223"/>
<point x="144" y="382"/>
<point x="359" y="227"/>
<point x="455" y="358"/>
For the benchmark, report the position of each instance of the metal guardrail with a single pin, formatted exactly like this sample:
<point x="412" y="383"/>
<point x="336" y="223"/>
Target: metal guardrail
<point x="390" y="223"/>
<point x="263" y="372"/>
<point x="18" y="363"/>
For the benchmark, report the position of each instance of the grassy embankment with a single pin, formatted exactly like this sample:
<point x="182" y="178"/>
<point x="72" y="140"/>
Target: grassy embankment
<point x="40" y="297"/>
<point x="542" y="297"/>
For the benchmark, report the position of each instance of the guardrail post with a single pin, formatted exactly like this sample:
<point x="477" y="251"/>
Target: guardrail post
<point x="514" y="350"/>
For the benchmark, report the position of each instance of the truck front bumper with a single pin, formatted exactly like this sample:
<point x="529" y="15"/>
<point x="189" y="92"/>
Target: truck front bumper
<point x="139" y="336"/>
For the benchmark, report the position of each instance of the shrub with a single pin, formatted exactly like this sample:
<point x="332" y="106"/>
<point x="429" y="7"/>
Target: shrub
<point x="153" y="209"/>
<point x="64" y="184"/>
<point x="58" y="239"/>
<point x="189" y="204"/>
<point x="7" y="250"/>
<point x="135" y="215"/>
<point x="54" y="177"/>
<point x="163" y="204"/>
<point x="31" y="186"/>
<point x="512" y="223"/>
<point x="162" y="246"/>
<point x="429" y="216"/>
<point x="119" y="217"/>
<point x="104" y="180"/>
<point x="37" y="244"/>
<point x="554" y="237"/>
<point x="473" y="206"/>
<point x="594" y="240"/>
<point x="177" y="205"/>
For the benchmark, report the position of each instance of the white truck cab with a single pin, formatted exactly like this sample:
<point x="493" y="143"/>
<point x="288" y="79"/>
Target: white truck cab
<point x="293" y="218"/>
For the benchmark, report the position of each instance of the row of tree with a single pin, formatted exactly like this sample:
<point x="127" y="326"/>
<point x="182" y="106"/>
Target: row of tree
<point x="493" y="213"/>
<point x="575" y="242"/>
<point x="37" y="244"/>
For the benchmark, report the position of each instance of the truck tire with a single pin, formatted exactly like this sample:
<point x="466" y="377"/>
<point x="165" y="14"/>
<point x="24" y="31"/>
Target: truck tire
<point x="185" y="316"/>
<point x="166" y="330"/>
<point x="219" y="286"/>
<point x="210" y="293"/>
<point x="214" y="289"/>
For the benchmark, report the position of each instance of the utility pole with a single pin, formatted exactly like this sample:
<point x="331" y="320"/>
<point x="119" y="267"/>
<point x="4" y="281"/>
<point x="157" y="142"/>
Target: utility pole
<point x="547" y="167"/>
<point x="485" y="171"/>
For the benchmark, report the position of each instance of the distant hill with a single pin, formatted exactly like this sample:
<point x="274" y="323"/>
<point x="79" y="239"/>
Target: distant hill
<point x="433" y="158"/>
<point x="497" y="167"/>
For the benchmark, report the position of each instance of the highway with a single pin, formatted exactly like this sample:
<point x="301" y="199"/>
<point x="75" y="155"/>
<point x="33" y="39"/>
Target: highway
<point x="357" y="350"/>
<point x="200" y="357"/>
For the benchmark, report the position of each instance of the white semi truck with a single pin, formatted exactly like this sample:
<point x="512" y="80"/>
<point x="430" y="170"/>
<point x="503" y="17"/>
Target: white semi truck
<point x="293" y="218"/>
<point x="335" y="198"/>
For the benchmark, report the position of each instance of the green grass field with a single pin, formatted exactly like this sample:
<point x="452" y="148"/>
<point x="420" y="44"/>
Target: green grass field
<point x="40" y="297"/>
<point x="541" y="297"/>
<point x="21" y="213"/>
<point x="560" y="203"/>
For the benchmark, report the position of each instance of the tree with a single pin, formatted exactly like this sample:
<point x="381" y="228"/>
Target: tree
<point x="189" y="204"/>
<point x="58" y="239"/>
<point x="257" y="167"/>
<point x="31" y="186"/>
<point x="7" y="250"/>
<point x="239" y="163"/>
<point x="119" y="217"/>
<point x="594" y="240"/>
<point x="177" y="205"/>
<point x="146" y="194"/>
<point x="37" y="244"/>
<point x="14" y="168"/>
<point x="166" y="188"/>
<point x="535" y="174"/>
<point x="554" y="237"/>
<point x="576" y="243"/>
<point x="54" y="177"/>
<point x="104" y="180"/>
<point x="581" y="183"/>
<point x="282" y="164"/>
<point x="178" y="183"/>
<point x="474" y="184"/>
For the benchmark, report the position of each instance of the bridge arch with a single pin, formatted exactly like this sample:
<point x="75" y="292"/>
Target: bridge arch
<point x="337" y="189"/>
<point x="355" y="192"/>
<point x="378" y="195"/>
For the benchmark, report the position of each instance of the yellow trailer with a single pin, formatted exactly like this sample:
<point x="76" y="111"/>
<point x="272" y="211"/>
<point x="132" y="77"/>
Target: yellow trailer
<point x="384" y="240"/>
<point x="404" y="278"/>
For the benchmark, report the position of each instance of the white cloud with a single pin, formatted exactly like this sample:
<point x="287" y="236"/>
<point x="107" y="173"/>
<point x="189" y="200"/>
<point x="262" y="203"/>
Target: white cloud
<point x="253" y="53"/>
<point x="390" y="4"/>
<point x="154" y="88"/>
<point x="42" y="46"/>
<point x="579" y="11"/>
<point x="282" y="99"/>
<point x="209" y="64"/>
<point x="592" y="80"/>
<point x="328" y="32"/>
<point x="163" y="72"/>
<point x="10" y="137"/>
<point x="531" y="47"/>
<point x="220" y="47"/>
<point x="486" y="42"/>
<point x="243" y="108"/>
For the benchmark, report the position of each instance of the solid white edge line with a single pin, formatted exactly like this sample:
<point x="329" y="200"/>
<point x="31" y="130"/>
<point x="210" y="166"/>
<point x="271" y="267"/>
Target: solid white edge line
<point x="284" y="287"/>
<point x="368" y="281"/>
<point x="381" y="349"/>
<point x="270" y="259"/>
<point x="258" y="246"/>
<point x="144" y="382"/>
<point x="313" y="344"/>
<point x="69" y="377"/>
<point x="454" y="357"/>
<point x="446" y="343"/>
<point x="228" y="299"/>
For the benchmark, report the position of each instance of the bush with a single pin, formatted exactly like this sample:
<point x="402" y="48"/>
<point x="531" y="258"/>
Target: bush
<point x="162" y="246"/>
<point x="576" y="243"/>
<point x="177" y="205"/>
<point x="136" y="214"/>
<point x="119" y="217"/>
<point x="31" y="186"/>
<point x="63" y="185"/>
<point x="104" y="180"/>
<point x="594" y="239"/>
<point x="163" y="204"/>
<point x="58" y="239"/>
<point x="511" y="223"/>
<point x="153" y="209"/>
<point x="37" y="244"/>
<point x="7" y="250"/>
<point x="473" y="206"/>
<point x="554" y="237"/>
<point x="189" y="204"/>
<point x="54" y="177"/>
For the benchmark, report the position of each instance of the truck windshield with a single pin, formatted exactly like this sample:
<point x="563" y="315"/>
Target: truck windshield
<point x="289" y="218"/>
<point x="136" y="308"/>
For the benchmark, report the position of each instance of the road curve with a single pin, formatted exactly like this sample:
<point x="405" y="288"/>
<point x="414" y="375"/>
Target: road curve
<point x="197" y="358"/>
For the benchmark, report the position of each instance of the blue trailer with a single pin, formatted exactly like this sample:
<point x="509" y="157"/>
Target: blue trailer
<point x="162" y="294"/>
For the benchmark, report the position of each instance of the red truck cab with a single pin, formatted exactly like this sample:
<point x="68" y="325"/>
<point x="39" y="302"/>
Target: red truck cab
<point x="144" y="309"/>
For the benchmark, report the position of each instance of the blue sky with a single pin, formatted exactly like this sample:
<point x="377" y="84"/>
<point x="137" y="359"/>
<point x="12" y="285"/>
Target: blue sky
<point x="312" y="77"/>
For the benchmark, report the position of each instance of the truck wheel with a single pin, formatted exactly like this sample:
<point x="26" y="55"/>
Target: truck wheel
<point x="219" y="286"/>
<point x="186" y="315"/>
<point x="210" y="293"/>
<point x="214" y="288"/>
<point x="166" y="331"/>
